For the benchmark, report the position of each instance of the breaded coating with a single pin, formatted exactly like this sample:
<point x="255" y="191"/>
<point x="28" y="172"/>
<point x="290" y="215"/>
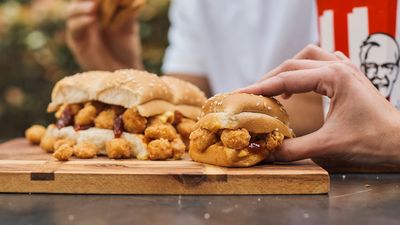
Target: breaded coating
<point x="64" y="141"/>
<point x="166" y="131"/>
<point x="35" y="133"/>
<point x="185" y="127"/>
<point x="167" y="117"/>
<point x="63" y="152"/>
<point x="274" y="140"/>
<point x="236" y="139"/>
<point x="201" y="139"/>
<point x="106" y="118"/>
<point x="86" y="115"/>
<point x="133" y="122"/>
<point x="159" y="149"/>
<point x="118" y="148"/>
<point x="178" y="148"/>
<point x="47" y="143"/>
<point x="73" y="107"/>
<point x="85" y="150"/>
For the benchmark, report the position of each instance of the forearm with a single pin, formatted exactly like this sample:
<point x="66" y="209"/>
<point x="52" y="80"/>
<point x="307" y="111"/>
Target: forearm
<point x="200" y="81"/>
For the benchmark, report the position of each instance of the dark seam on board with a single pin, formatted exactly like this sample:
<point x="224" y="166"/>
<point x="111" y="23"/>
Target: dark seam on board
<point x="42" y="176"/>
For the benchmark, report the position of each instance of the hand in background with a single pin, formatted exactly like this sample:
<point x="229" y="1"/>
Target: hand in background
<point x="361" y="130"/>
<point x="96" y="48"/>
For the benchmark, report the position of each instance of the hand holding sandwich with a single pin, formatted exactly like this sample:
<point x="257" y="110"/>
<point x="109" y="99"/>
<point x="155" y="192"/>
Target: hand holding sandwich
<point x="101" y="40"/>
<point x="361" y="129"/>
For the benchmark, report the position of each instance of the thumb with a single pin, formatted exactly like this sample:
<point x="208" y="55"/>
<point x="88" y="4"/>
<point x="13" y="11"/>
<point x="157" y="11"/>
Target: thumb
<point x="304" y="147"/>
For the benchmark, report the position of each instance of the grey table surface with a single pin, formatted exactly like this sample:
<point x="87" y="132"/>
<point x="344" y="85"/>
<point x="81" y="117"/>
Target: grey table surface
<point x="353" y="199"/>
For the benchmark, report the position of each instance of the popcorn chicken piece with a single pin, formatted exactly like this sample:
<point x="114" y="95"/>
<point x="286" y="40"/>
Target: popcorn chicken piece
<point x="85" y="150"/>
<point x="185" y="127"/>
<point x="35" y="133"/>
<point x="73" y="107"/>
<point x="236" y="139"/>
<point x="133" y="122"/>
<point x="64" y="141"/>
<point x="201" y="139"/>
<point x="106" y="118"/>
<point x="165" y="131"/>
<point x="86" y="115"/>
<point x="63" y="152"/>
<point x="178" y="148"/>
<point x="118" y="148"/>
<point x="47" y="143"/>
<point x="274" y="140"/>
<point x="160" y="149"/>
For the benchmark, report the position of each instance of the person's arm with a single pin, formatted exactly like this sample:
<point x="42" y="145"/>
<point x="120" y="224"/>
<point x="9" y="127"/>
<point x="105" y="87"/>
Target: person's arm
<point x="185" y="56"/>
<point x="361" y="129"/>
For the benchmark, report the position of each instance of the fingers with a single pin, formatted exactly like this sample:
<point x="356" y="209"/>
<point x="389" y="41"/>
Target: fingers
<point x="77" y="25"/>
<point x="81" y="8"/>
<point x="293" y="64"/>
<point x="298" y="81"/>
<point x="81" y="14"/>
<point x="314" y="52"/>
<point x="308" y="146"/>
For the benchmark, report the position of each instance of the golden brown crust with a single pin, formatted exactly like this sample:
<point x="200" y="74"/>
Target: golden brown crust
<point x="118" y="148"/>
<point x="63" y="152"/>
<point x="219" y="155"/>
<point x="35" y="133"/>
<point x="234" y="103"/>
<point x="185" y="93"/>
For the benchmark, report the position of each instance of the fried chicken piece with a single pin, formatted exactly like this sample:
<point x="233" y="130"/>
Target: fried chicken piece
<point x="178" y="148"/>
<point x="63" y="152"/>
<point x="236" y="139"/>
<point x="47" y="143"/>
<point x="166" y="131"/>
<point x="133" y="122"/>
<point x="86" y="115"/>
<point x="106" y="118"/>
<point x="73" y="107"/>
<point x="35" y="133"/>
<point x="85" y="150"/>
<point x="118" y="148"/>
<point x="185" y="127"/>
<point x="160" y="149"/>
<point x="201" y="139"/>
<point x="63" y="141"/>
<point x="274" y="140"/>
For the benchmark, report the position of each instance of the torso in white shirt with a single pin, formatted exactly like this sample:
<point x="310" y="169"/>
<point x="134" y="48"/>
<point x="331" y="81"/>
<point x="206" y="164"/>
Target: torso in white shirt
<point x="235" y="42"/>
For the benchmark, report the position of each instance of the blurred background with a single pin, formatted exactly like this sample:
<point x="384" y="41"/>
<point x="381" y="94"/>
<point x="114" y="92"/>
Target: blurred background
<point x="34" y="55"/>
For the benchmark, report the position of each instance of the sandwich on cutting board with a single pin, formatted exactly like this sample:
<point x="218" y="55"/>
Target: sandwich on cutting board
<point x="121" y="114"/>
<point x="238" y="130"/>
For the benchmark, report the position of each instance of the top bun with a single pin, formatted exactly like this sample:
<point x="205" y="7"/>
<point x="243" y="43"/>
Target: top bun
<point x="127" y="88"/>
<point x="184" y="93"/>
<point x="235" y="103"/>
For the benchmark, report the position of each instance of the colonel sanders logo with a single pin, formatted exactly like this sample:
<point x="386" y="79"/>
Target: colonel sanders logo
<point x="379" y="58"/>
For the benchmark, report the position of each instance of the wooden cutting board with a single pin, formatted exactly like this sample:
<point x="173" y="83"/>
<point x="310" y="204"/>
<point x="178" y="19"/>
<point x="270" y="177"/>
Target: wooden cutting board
<point x="26" y="168"/>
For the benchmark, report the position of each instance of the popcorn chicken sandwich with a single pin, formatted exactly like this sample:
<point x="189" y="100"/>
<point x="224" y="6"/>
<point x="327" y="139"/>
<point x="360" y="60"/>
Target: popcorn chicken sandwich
<point x="121" y="114"/>
<point x="238" y="130"/>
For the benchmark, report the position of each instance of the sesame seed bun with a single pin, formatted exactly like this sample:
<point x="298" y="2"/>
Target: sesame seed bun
<point x="127" y="88"/>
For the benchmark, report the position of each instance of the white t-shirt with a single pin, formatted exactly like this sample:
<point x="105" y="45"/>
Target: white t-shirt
<point x="235" y="42"/>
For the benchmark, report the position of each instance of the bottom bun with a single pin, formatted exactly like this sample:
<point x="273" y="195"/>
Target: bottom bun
<point x="99" y="137"/>
<point x="220" y="155"/>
